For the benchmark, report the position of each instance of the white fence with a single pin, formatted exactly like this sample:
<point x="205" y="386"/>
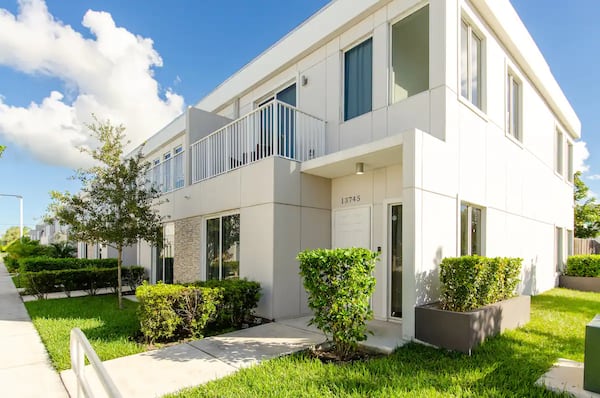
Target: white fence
<point x="80" y="349"/>
<point x="274" y="129"/>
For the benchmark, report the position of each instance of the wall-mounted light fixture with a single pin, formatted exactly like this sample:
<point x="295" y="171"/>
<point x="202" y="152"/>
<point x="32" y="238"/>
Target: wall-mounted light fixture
<point x="360" y="168"/>
<point x="304" y="80"/>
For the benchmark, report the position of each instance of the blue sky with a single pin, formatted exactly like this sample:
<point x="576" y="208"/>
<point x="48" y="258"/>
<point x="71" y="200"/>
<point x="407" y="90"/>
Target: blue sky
<point x="193" y="49"/>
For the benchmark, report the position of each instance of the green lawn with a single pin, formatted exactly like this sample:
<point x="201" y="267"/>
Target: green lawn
<point x="505" y="366"/>
<point x="109" y="330"/>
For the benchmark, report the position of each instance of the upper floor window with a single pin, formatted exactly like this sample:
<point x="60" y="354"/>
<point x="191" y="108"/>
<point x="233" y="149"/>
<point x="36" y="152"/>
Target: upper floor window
<point x="178" y="169"/>
<point x="570" y="162"/>
<point x="358" y="80"/>
<point x="558" y="153"/>
<point x="410" y="55"/>
<point x="470" y="65"/>
<point x="471" y="228"/>
<point x="167" y="172"/>
<point x="513" y="107"/>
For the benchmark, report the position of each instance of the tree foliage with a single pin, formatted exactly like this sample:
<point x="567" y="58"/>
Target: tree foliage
<point x="12" y="234"/>
<point x="587" y="211"/>
<point x="2" y="148"/>
<point x="116" y="203"/>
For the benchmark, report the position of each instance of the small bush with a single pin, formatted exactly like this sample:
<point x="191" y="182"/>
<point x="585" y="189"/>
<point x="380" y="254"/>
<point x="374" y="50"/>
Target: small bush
<point x="471" y="282"/>
<point x="41" y="283"/>
<point x="23" y="248"/>
<point x="583" y="265"/>
<point x="240" y="298"/>
<point x="167" y="312"/>
<point x="35" y="264"/>
<point x="339" y="284"/>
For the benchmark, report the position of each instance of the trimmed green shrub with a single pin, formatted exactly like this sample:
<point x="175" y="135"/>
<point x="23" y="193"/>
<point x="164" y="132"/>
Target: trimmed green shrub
<point x="168" y="312"/>
<point x="583" y="265"/>
<point x="240" y="298"/>
<point x="41" y="283"/>
<point x="35" y="264"/>
<point x="339" y="284"/>
<point x="471" y="282"/>
<point x="23" y="248"/>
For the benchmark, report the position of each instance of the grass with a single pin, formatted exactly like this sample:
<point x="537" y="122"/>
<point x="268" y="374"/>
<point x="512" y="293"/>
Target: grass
<point x="109" y="330"/>
<point x="504" y="366"/>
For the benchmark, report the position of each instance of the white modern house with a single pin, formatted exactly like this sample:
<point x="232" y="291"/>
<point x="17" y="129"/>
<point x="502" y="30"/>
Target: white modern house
<point x="419" y="129"/>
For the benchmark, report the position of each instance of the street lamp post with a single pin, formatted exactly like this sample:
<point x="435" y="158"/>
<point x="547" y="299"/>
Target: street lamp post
<point x="20" y="211"/>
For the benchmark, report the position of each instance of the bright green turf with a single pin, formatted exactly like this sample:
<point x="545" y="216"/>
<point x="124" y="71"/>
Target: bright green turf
<point x="505" y="366"/>
<point x="110" y="331"/>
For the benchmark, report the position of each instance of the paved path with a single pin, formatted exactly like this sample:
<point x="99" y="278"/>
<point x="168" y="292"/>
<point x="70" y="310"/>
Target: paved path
<point x="25" y="369"/>
<point x="155" y="373"/>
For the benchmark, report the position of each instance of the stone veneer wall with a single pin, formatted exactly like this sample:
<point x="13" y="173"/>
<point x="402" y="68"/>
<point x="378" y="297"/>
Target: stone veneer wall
<point x="187" y="259"/>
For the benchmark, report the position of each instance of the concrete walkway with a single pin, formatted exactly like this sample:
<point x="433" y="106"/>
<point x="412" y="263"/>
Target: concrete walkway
<point x="155" y="373"/>
<point x="25" y="369"/>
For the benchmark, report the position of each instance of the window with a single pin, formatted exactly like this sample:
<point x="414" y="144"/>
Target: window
<point x="570" y="162"/>
<point x="470" y="65"/>
<point x="358" y="80"/>
<point x="223" y="247"/>
<point x="178" y="172"/>
<point x="166" y="172"/>
<point x="558" y="158"/>
<point x="410" y="55"/>
<point x="471" y="227"/>
<point x="513" y="107"/>
<point x="156" y="174"/>
<point x="559" y="249"/>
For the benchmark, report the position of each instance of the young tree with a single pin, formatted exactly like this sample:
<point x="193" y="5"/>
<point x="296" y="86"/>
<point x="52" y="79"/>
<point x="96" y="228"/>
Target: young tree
<point x="116" y="203"/>
<point x="2" y="148"/>
<point x="587" y="211"/>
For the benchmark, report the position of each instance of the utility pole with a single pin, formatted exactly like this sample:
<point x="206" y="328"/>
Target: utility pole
<point x="20" y="211"/>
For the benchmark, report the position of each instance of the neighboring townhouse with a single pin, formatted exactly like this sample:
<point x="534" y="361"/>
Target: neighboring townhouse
<point x="49" y="233"/>
<point x="418" y="129"/>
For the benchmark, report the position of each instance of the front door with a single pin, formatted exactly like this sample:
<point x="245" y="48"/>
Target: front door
<point x="395" y="260"/>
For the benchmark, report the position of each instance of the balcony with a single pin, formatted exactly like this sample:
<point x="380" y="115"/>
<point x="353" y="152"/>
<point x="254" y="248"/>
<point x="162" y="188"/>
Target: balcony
<point x="274" y="129"/>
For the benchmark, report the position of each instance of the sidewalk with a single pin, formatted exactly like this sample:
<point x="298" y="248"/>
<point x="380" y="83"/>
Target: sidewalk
<point x="25" y="369"/>
<point x="155" y="373"/>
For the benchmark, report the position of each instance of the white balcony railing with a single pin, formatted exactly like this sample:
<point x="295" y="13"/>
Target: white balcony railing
<point x="274" y="129"/>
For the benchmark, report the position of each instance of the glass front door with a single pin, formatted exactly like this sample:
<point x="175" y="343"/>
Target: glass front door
<point x="395" y="236"/>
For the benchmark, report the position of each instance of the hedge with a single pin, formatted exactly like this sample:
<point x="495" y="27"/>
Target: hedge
<point x="471" y="282"/>
<point x="168" y="312"/>
<point x="340" y="283"/>
<point x="36" y="264"/>
<point x="583" y="265"/>
<point x="41" y="283"/>
<point x="240" y="297"/>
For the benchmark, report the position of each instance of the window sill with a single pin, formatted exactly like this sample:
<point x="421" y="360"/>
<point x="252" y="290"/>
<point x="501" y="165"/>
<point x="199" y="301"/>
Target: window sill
<point x="473" y="108"/>
<point x="514" y="140"/>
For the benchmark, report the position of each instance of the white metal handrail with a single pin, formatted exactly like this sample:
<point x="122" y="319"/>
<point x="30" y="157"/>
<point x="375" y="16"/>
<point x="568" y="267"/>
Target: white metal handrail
<point x="274" y="129"/>
<point x="80" y="349"/>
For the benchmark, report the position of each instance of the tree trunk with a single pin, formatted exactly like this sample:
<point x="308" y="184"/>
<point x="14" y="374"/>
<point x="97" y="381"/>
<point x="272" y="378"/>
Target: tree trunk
<point x="119" y="283"/>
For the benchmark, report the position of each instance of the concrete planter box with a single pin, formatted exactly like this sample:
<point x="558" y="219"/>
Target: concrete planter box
<point x="584" y="283"/>
<point x="463" y="331"/>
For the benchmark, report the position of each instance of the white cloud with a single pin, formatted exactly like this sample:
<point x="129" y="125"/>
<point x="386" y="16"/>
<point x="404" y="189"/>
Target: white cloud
<point x="580" y="155"/>
<point x="593" y="177"/>
<point x="110" y="76"/>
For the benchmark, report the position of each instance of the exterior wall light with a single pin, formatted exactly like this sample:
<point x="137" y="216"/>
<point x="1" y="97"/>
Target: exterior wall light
<point x="360" y="168"/>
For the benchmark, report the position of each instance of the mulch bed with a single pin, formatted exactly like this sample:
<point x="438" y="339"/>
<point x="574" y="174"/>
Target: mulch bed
<point x="326" y="354"/>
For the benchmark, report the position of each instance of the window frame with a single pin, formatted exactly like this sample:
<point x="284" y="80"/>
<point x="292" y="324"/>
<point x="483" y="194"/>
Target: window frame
<point x="407" y="14"/>
<point x="559" y="149"/>
<point x="469" y="243"/>
<point x="510" y="122"/>
<point x="204" y="242"/>
<point x="570" y="167"/>
<point x="559" y="245"/>
<point x="344" y="53"/>
<point x="471" y="32"/>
